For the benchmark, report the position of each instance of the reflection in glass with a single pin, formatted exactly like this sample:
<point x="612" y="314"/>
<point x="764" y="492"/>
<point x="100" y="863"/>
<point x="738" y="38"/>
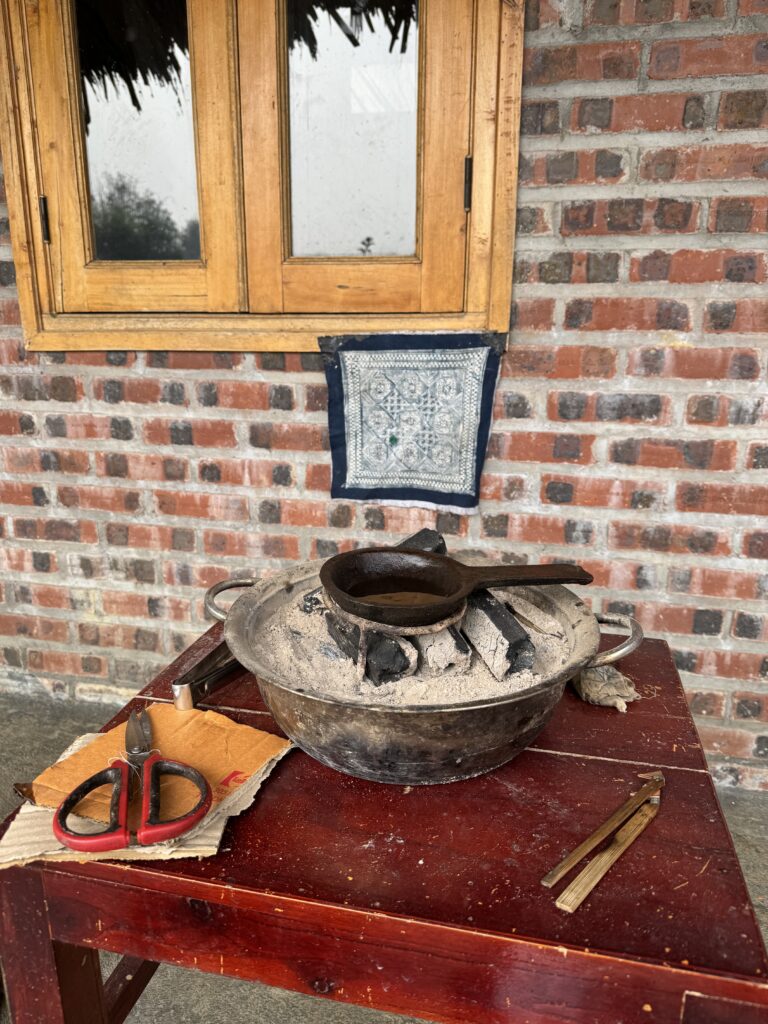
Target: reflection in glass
<point x="137" y="111"/>
<point x="353" y="98"/>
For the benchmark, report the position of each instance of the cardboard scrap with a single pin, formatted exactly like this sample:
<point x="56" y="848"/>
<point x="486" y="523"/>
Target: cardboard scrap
<point x="226" y="753"/>
<point x="234" y="758"/>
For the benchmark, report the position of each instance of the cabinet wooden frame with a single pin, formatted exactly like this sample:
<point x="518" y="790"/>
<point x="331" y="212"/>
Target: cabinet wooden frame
<point x="493" y="130"/>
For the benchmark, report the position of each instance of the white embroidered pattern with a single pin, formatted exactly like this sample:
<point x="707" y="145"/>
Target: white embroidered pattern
<point x="412" y="417"/>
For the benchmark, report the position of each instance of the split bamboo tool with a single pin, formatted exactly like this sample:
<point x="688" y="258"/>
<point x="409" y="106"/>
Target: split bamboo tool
<point x="646" y="805"/>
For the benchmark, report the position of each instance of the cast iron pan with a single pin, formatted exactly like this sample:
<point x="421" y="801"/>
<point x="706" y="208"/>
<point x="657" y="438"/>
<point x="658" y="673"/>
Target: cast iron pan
<point x="403" y="587"/>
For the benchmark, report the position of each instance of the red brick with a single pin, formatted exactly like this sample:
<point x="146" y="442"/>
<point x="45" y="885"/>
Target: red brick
<point x="403" y="521"/>
<point x="9" y="422"/>
<point x="519" y="446"/>
<point x="707" y="703"/>
<point x="35" y="460"/>
<point x="750" y="706"/>
<point x="202" y="506"/>
<point x="533" y="315"/>
<point x="58" y="530"/>
<point x="600" y="492"/>
<point x="50" y="597"/>
<point x="646" y="112"/>
<point x="98" y="359"/>
<point x="582" y="168"/>
<point x="738" y="213"/>
<point x="713" y="55"/>
<point x="139" y="390"/>
<point x="614" y="407"/>
<point x="541" y="529"/>
<point x="566" y="362"/>
<point x="496" y="487"/>
<point x="692" y="266"/>
<point x="588" y="62"/>
<point x="140" y="535"/>
<point x="744" y="316"/>
<point x="35" y="627"/>
<point x="12" y="493"/>
<point x="205" y="433"/>
<point x="60" y="663"/>
<point x="179" y="360"/>
<point x="138" y="467"/>
<point x="723" y="499"/>
<point x="234" y="394"/>
<point x="245" y="545"/>
<point x="301" y="437"/>
<point x="19" y="560"/>
<point x="84" y="427"/>
<point x="105" y="499"/>
<point x="673" y="540"/>
<point x="303" y="513"/>
<point x="669" y="454"/>
<point x="534" y="220"/>
<point x="725" y="742"/>
<point x="695" y="363"/>
<point x="705" y="163"/>
<point x="623" y="314"/>
<point x="747" y="7"/>
<point x="756" y="544"/>
<point x="318" y="477"/>
<point x="127" y="604"/>
<point x="611" y="575"/>
<point x="723" y="583"/>
<point x="598" y="217"/>
<point x="733" y="664"/>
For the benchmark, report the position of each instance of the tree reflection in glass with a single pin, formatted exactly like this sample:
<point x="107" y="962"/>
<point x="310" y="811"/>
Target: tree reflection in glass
<point x="139" y="135"/>
<point x="353" y="105"/>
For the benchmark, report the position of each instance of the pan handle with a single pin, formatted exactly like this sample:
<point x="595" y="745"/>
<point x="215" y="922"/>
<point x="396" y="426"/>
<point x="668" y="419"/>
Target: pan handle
<point x="209" y="604"/>
<point x="631" y="643"/>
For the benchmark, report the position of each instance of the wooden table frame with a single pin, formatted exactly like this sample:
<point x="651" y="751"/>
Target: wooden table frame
<point x="243" y="914"/>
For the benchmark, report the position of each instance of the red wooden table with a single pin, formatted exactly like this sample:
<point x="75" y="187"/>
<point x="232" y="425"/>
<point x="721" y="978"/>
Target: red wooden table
<point x="425" y="900"/>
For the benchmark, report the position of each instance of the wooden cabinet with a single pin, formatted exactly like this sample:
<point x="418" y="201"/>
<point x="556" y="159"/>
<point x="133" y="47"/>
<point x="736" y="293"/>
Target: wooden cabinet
<point x="251" y="174"/>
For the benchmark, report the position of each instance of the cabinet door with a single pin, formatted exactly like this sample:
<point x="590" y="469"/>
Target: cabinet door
<point x="356" y="128"/>
<point x="135" y="104"/>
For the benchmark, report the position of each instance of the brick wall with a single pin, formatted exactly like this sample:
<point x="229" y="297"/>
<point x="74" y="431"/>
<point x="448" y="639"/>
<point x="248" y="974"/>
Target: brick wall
<point x="631" y="425"/>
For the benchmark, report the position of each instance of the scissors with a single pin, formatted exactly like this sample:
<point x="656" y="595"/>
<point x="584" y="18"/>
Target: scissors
<point x="144" y="766"/>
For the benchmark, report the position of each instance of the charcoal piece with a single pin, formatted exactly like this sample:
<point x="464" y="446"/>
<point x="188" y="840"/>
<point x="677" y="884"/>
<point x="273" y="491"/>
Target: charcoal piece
<point x="496" y="635"/>
<point x="389" y="658"/>
<point x="446" y="649"/>
<point x="426" y="540"/>
<point x="312" y="601"/>
<point x="344" y="635"/>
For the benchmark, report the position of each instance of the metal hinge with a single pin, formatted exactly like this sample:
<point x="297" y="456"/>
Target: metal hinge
<point x="467" y="183"/>
<point x="45" y="226"/>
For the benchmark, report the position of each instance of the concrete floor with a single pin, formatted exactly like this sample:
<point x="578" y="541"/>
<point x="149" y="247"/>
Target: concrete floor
<point x="34" y="731"/>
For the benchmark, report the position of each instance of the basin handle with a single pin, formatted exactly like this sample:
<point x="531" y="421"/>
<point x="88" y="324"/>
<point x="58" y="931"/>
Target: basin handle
<point x="209" y="604"/>
<point x="631" y="643"/>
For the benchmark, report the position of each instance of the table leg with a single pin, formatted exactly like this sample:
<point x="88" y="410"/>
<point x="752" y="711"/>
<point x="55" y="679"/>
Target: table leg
<point x="46" y="982"/>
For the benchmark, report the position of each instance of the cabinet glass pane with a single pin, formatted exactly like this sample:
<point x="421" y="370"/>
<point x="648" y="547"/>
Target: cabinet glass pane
<point x="139" y="137"/>
<point x="353" y="104"/>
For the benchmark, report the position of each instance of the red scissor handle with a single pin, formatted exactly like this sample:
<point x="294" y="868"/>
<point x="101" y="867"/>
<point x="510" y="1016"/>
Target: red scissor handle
<point x="153" y="829"/>
<point x="116" y="835"/>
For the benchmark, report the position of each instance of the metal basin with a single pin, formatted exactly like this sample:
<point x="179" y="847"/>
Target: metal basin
<point x="407" y="745"/>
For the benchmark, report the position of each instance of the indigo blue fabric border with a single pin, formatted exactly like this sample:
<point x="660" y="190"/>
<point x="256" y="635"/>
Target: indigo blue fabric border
<point x="331" y="346"/>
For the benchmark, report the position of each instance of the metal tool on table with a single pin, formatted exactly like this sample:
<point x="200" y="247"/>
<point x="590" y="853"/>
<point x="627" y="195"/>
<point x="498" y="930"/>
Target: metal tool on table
<point x="140" y="771"/>
<point x="207" y="675"/>
<point x="641" y="808"/>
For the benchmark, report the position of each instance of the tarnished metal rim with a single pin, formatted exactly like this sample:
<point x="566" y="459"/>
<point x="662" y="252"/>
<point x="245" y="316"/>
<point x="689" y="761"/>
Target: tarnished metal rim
<point x="582" y="632"/>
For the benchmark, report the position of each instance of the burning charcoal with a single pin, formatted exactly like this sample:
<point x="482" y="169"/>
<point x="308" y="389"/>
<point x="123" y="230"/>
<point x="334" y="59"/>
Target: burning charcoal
<point x="426" y="540"/>
<point x="496" y="635"/>
<point x="443" y="650"/>
<point x="389" y="658"/>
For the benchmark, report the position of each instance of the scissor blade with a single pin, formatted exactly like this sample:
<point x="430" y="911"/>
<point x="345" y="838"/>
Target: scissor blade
<point x="138" y="733"/>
